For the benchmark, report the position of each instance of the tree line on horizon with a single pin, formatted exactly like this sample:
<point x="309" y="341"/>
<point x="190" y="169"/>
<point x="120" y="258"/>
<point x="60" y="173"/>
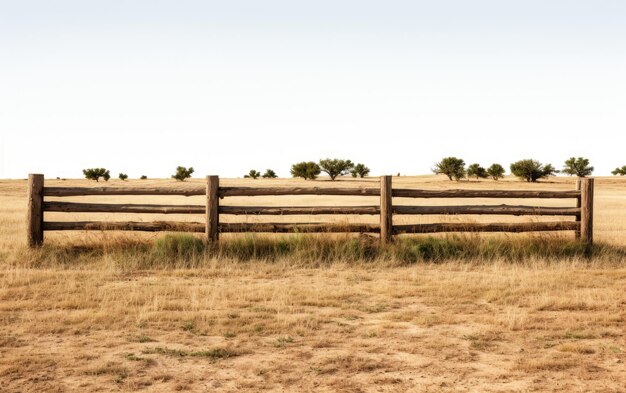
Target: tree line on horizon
<point x="454" y="168"/>
<point x="529" y="170"/>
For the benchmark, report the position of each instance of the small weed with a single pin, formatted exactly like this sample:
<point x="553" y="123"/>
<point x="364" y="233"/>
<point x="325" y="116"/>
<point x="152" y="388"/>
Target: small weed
<point x="576" y="348"/>
<point x="119" y="372"/>
<point x="282" y="342"/>
<point x="163" y="377"/>
<point x="483" y="341"/>
<point x="140" y="339"/>
<point x="576" y="335"/>
<point x="213" y="354"/>
<point x="549" y="364"/>
<point x="166" y="351"/>
<point x="119" y="378"/>
<point x="375" y="308"/>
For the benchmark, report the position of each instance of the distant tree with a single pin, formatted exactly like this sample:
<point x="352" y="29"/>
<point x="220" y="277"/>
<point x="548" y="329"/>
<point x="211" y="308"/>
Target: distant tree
<point x="123" y="176"/>
<point x="307" y="170"/>
<point x="452" y="167"/>
<point x="360" y="170"/>
<point x="496" y="171"/>
<point x="475" y="170"/>
<point x="532" y="170"/>
<point x="269" y="174"/>
<point x="182" y="173"/>
<point x="253" y="174"/>
<point x="96" y="174"/>
<point x="335" y="167"/>
<point x="143" y="177"/>
<point x="578" y="167"/>
<point x="620" y="171"/>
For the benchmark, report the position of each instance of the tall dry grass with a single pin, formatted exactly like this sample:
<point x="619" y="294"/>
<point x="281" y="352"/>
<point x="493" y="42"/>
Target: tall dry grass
<point x="178" y="251"/>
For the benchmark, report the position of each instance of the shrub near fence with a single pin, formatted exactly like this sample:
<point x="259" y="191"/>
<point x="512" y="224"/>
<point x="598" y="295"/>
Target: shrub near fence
<point x="212" y="209"/>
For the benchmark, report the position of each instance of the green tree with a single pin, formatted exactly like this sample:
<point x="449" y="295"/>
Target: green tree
<point x="306" y="170"/>
<point x="335" y="167"/>
<point x="182" y="173"/>
<point x="96" y="174"/>
<point x="620" y="171"/>
<point x="452" y="167"/>
<point x="475" y="170"/>
<point x="143" y="177"/>
<point x="269" y="174"/>
<point x="578" y="167"/>
<point x="496" y="171"/>
<point x="123" y="176"/>
<point x="253" y="174"/>
<point x="532" y="170"/>
<point x="360" y="170"/>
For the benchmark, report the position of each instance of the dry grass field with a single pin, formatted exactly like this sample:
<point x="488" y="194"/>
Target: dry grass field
<point x="99" y="312"/>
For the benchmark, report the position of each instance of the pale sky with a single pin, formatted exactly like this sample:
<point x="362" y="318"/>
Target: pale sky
<point x="225" y="86"/>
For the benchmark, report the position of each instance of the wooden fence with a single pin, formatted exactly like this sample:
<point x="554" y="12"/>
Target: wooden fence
<point x="38" y="205"/>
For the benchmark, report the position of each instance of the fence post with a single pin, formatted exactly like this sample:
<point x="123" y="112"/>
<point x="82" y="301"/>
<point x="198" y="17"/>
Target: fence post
<point x="212" y="206"/>
<point x="386" y="218"/>
<point x="586" y="213"/>
<point x="578" y="205"/>
<point x="34" y="220"/>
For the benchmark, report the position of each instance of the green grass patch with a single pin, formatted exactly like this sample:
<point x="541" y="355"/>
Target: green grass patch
<point x="133" y="357"/>
<point x="213" y="354"/>
<point x="178" y="246"/>
<point x="140" y="339"/>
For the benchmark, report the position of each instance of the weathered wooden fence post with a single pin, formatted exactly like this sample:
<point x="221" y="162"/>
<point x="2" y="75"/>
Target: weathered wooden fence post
<point x="386" y="218"/>
<point x="212" y="208"/>
<point x="578" y="204"/>
<point x="586" y="213"/>
<point x="34" y="220"/>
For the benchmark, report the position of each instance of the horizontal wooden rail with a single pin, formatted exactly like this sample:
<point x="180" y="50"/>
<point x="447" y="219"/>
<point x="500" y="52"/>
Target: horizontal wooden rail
<point x="307" y="227"/>
<point x="489" y="209"/>
<point x="156" y="226"/>
<point x="86" y="191"/>
<point x="410" y="193"/>
<point x="153" y="226"/>
<point x="258" y="191"/>
<point x="298" y="210"/>
<point x="269" y="191"/>
<point x="72" y="207"/>
<point x="491" y="227"/>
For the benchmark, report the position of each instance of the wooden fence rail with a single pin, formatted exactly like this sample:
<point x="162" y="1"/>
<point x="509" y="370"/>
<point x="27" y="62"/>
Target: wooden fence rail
<point x="582" y="213"/>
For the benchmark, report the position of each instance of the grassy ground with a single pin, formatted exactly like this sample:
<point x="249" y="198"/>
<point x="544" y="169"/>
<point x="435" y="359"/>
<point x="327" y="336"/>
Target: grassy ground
<point x="490" y="313"/>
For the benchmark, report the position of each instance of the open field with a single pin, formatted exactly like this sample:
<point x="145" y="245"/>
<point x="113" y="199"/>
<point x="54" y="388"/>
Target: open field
<point x="87" y="314"/>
